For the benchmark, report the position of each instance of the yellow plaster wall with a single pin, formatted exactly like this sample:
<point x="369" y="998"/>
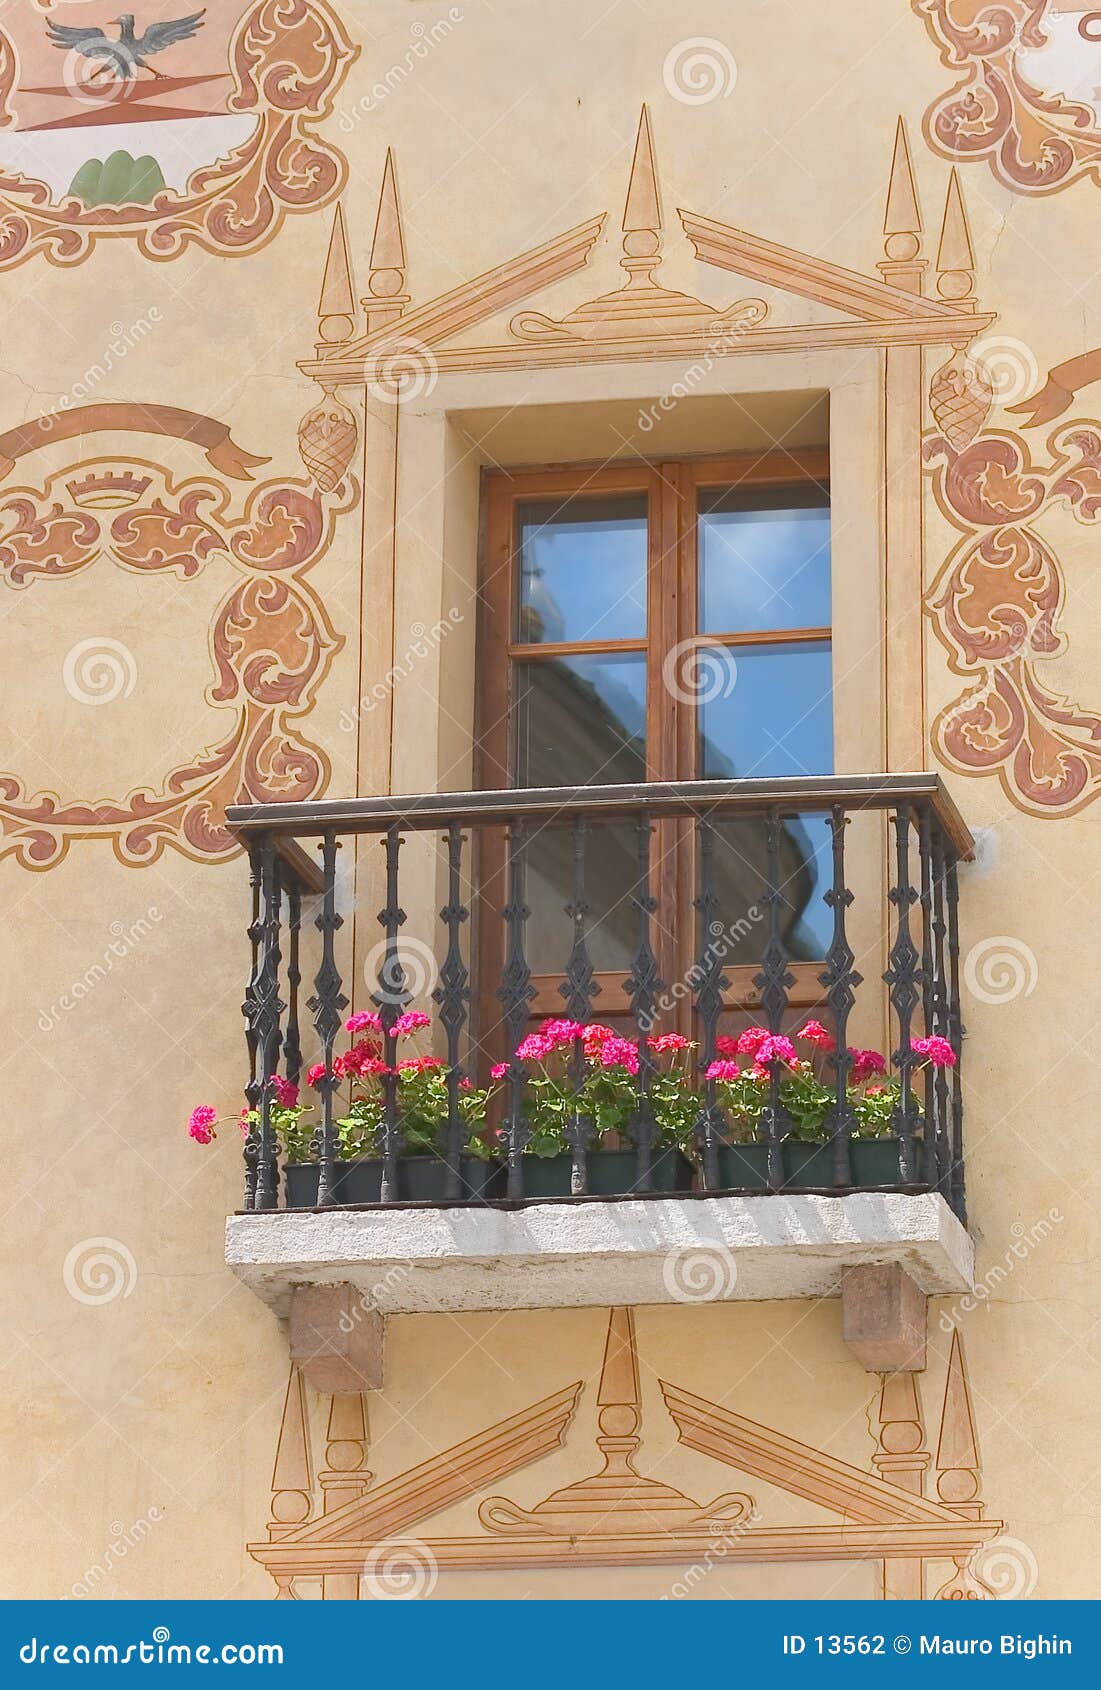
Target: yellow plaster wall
<point x="162" y="1403"/>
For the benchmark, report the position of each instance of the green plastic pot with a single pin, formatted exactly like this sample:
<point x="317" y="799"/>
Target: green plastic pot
<point x="809" y="1167"/>
<point x="611" y="1173"/>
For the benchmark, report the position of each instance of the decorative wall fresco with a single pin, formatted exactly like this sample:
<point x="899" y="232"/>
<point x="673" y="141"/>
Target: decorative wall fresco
<point x="996" y="603"/>
<point x="182" y="127"/>
<point x="615" y="1513"/>
<point x="271" y="641"/>
<point x="1028" y="92"/>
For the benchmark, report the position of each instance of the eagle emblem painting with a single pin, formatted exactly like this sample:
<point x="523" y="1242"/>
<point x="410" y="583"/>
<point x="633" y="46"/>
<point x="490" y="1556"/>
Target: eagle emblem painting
<point x="171" y="125"/>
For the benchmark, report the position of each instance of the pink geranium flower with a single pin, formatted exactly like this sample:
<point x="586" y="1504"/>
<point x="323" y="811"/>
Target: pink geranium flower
<point x="286" y="1092"/>
<point x="595" y="1034"/>
<point x="363" y="1021"/>
<point x="751" y="1040"/>
<point x="535" y="1048"/>
<point x="411" y="1022"/>
<point x="619" y="1053"/>
<point x="499" y="1071"/>
<point x="420" y="1064"/>
<point x="865" y="1063"/>
<point x="723" y="1069"/>
<point x="938" y="1051"/>
<point x="727" y="1046"/>
<point x="559" y="1031"/>
<point x="815" y="1034"/>
<point x="774" y="1047"/>
<point x="201" y="1123"/>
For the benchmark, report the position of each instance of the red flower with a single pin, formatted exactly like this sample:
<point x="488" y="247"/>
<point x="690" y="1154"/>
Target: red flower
<point x="286" y="1092"/>
<point x="752" y="1040"/>
<point x="670" y="1041"/>
<point x="723" y="1070"/>
<point x="816" y="1034"/>
<point x="865" y="1063"/>
<point x="420" y="1064"/>
<point x="726" y="1046"/>
<point x="410" y="1022"/>
<point x="774" y="1047"/>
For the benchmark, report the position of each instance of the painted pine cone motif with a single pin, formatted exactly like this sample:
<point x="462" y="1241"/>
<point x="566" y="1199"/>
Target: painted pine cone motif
<point x="326" y="441"/>
<point x="960" y="398"/>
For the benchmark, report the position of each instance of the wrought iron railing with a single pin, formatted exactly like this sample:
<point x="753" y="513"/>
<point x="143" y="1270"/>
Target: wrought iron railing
<point x="905" y="898"/>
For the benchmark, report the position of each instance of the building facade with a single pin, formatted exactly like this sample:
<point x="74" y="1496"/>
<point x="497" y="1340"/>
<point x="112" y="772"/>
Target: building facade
<point x="550" y="547"/>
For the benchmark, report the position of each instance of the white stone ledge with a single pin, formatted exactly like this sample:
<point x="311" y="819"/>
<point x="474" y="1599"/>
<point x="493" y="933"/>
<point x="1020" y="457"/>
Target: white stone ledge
<point x="598" y="1253"/>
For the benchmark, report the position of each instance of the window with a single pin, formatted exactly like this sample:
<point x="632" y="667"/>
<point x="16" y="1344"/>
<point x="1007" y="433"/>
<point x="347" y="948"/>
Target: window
<point x="659" y="623"/>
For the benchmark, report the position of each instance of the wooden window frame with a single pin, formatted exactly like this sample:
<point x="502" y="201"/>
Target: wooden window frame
<point x="672" y="491"/>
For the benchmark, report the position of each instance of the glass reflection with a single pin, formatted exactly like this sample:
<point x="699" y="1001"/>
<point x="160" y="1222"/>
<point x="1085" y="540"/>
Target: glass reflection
<point x="764" y="560"/>
<point x="582" y="566"/>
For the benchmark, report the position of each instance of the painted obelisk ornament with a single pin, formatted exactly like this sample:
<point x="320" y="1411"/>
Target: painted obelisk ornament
<point x="328" y="432"/>
<point x="226" y="101"/>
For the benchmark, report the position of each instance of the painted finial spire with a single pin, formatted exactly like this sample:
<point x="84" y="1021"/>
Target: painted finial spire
<point x="642" y="209"/>
<point x="619" y="1372"/>
<point x="958" y="1468"/>
<point x="292" y="1476"/>
<point x="386" y="282"/>
<point x="902" y="226"/>
<point x="955" y="254"/>
<point x="336" y="309"/>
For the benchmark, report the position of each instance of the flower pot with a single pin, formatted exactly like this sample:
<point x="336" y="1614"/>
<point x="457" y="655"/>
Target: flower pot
<point x="421" y="1179"/>
<point x="611" y="1173"/>
<point x="808" y="1167"/>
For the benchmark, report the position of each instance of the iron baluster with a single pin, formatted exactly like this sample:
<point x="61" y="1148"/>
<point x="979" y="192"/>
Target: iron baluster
<point x="248" y="1010"/>
<point x="956" y="1032"/>
<point x="515" y="994"/>
<point x="940" y="1008"/>
<point x="268" y="1023"/>
<point x="773" y="982"/>
<point x="579" y="989"/>
<point x="710" y="983"/>
<point x="930" y="1131"/>
<point x="452" y="994"/>
<point x="643" y="985"/>
<point x="327" y="1005"/>
<point x="292" y="1044"/>
<point x="391" y="999"/>
<point x="903" y="976"/>
<point x="840" y="979"/>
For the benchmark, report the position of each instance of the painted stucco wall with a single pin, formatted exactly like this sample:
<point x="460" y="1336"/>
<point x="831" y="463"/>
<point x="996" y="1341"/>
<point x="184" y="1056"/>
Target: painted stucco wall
<point x="143" y="1385"/>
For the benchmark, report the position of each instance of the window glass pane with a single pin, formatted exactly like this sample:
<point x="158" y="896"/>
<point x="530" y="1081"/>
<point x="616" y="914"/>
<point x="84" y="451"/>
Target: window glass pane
<point x="580" y="720"/>
<point x="582" y="569"/>
<point x="767" y="711"/>
<point x="764" y="559"/>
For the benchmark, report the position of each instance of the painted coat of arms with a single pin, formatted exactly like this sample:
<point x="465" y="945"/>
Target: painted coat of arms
<point x="173" y="124"/>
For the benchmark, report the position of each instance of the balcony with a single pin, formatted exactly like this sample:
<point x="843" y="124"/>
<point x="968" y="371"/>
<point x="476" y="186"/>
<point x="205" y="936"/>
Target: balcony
<point x="612" y="1167"/>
